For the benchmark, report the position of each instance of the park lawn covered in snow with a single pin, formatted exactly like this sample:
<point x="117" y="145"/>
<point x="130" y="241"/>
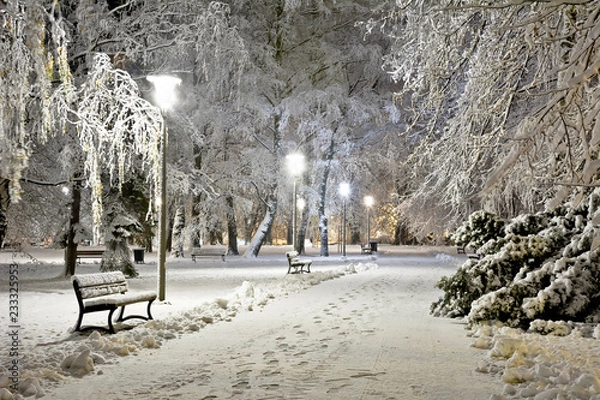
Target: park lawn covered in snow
<point x="244" y="329"/>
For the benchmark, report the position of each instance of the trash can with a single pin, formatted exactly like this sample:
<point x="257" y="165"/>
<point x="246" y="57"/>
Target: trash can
<point x="373" y="244"/>
<point x="138" y="255"/>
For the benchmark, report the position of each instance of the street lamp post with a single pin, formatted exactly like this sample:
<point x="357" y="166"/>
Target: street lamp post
<point x="295" y="163"/>
<point x="369" y="203"/>
<point x="164" y="86"/>
<point x="344" y="192"/>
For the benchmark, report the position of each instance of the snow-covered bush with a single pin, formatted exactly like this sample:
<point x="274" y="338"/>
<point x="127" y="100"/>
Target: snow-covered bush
<point x="481" y="227"/>
<point x="544" y="267"/>
<point x="121" y="226"/>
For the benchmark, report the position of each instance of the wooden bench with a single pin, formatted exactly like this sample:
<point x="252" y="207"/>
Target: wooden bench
<point x="366" y="249"/>
<point x="207" y="252"/>
<point x="107" y="292"/>
<point x="98" y="253"/>
<point x="469" y="253"/>
<point x="298" y="264"/>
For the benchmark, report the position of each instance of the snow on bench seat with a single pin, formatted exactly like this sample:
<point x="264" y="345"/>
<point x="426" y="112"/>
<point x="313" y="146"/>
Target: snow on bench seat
<point x="122" y="299"/>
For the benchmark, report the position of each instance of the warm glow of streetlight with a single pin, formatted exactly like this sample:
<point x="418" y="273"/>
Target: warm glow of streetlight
<point x="301" y="204"/>
<point x="369" y="201"/>
<point x="295" y="163"/>
<point x="344" y="189"/>
<point x="164" y="86"/>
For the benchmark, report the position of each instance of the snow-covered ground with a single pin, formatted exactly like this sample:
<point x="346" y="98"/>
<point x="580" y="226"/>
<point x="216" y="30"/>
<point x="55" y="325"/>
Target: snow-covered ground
<point x="353" y="329"/>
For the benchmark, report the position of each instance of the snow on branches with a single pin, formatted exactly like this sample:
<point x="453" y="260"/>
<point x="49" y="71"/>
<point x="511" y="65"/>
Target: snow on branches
<point x="118" y="130"/>
<point x="506" y="97"/>
<point x="29" y="58"/>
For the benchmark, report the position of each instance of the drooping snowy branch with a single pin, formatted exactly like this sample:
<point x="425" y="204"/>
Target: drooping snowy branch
<point x="117" y="129"/>
<point x="29" y="60"/>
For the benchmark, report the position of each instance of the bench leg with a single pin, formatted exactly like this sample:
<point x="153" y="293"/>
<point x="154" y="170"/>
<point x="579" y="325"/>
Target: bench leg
<point x="79" y="320"/>
<point x="148" y="310"/>
<point x="122" y="317"/>
<point x="121" y="313"/>
<point x="111" y="328"/>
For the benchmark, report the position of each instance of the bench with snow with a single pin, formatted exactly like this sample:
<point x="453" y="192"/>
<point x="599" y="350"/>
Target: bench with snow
<point x="366" y="249"/>
<point x="198" y="252"/>
<point x="97" y="253"/>
<point x="297" y="263"/>
<point x="468" y="252"/>
<point x="107" y="292"/>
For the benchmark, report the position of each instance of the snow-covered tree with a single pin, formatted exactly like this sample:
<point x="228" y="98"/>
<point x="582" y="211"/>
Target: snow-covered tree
<point x="503" y="101"/>
<point x="33" y="55"/>
<point x="120" y="226"/>
<point x="117" y="129"/>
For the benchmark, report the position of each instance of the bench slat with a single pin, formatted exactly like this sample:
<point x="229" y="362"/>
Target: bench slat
<point x="121" y="299"/>
<point x="105" y="278"/>
<point x="99" y="291"/>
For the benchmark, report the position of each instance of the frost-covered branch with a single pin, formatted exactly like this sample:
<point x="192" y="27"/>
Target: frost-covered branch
<point x="117" y="129"/>
<point x="32" y="51"/>
<point x="521" y="109"/>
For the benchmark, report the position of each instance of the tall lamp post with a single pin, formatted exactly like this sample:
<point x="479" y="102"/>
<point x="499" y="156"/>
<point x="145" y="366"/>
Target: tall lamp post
<point x="295" y="163"/>
<point x="369" y="203"/>
<point x="165" y="97"/>
<point x="344" y="192"/>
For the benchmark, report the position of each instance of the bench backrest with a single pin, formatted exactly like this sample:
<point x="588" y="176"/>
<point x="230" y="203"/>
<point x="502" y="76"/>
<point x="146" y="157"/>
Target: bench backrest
<point x="95" y="285"/>
<point x="292" y="256"/>
<point x="90" y="252"/>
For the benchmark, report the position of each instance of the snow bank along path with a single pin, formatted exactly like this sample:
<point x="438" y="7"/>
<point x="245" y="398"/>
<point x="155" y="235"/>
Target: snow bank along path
<point x="350" y="330"/>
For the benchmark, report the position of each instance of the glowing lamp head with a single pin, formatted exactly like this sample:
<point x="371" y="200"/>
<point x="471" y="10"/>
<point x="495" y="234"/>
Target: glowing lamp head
<point x="164" y="86"/>
<point x="344" y="189"/>
<point x="295" y="163"/>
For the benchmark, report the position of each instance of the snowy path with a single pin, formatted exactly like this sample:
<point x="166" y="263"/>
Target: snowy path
<point x="363" y="336"/>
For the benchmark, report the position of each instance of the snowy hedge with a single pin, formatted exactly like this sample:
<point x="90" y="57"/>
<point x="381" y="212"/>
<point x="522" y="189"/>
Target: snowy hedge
<point x="541" y="266"/>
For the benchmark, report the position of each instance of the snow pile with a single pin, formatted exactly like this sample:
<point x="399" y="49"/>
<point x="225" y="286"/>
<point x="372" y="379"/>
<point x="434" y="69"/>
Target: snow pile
<point x="78" y="356"/>
<point x="541" y="367"/>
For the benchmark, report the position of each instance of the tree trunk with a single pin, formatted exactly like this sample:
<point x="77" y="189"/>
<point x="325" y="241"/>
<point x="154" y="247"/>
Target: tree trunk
<point x="232" y="249"/>
<point x="264" y="228"/>
<point x="300" y="247"/>
<point x="4" y="203"/>
<point x="402" y="233"/>
<point x="323" y="228"/>
<point x="354" y="234"/>
<point x="178" y="226"/>
<point x="251" y="222"/>
<point x="71" y="245"/>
